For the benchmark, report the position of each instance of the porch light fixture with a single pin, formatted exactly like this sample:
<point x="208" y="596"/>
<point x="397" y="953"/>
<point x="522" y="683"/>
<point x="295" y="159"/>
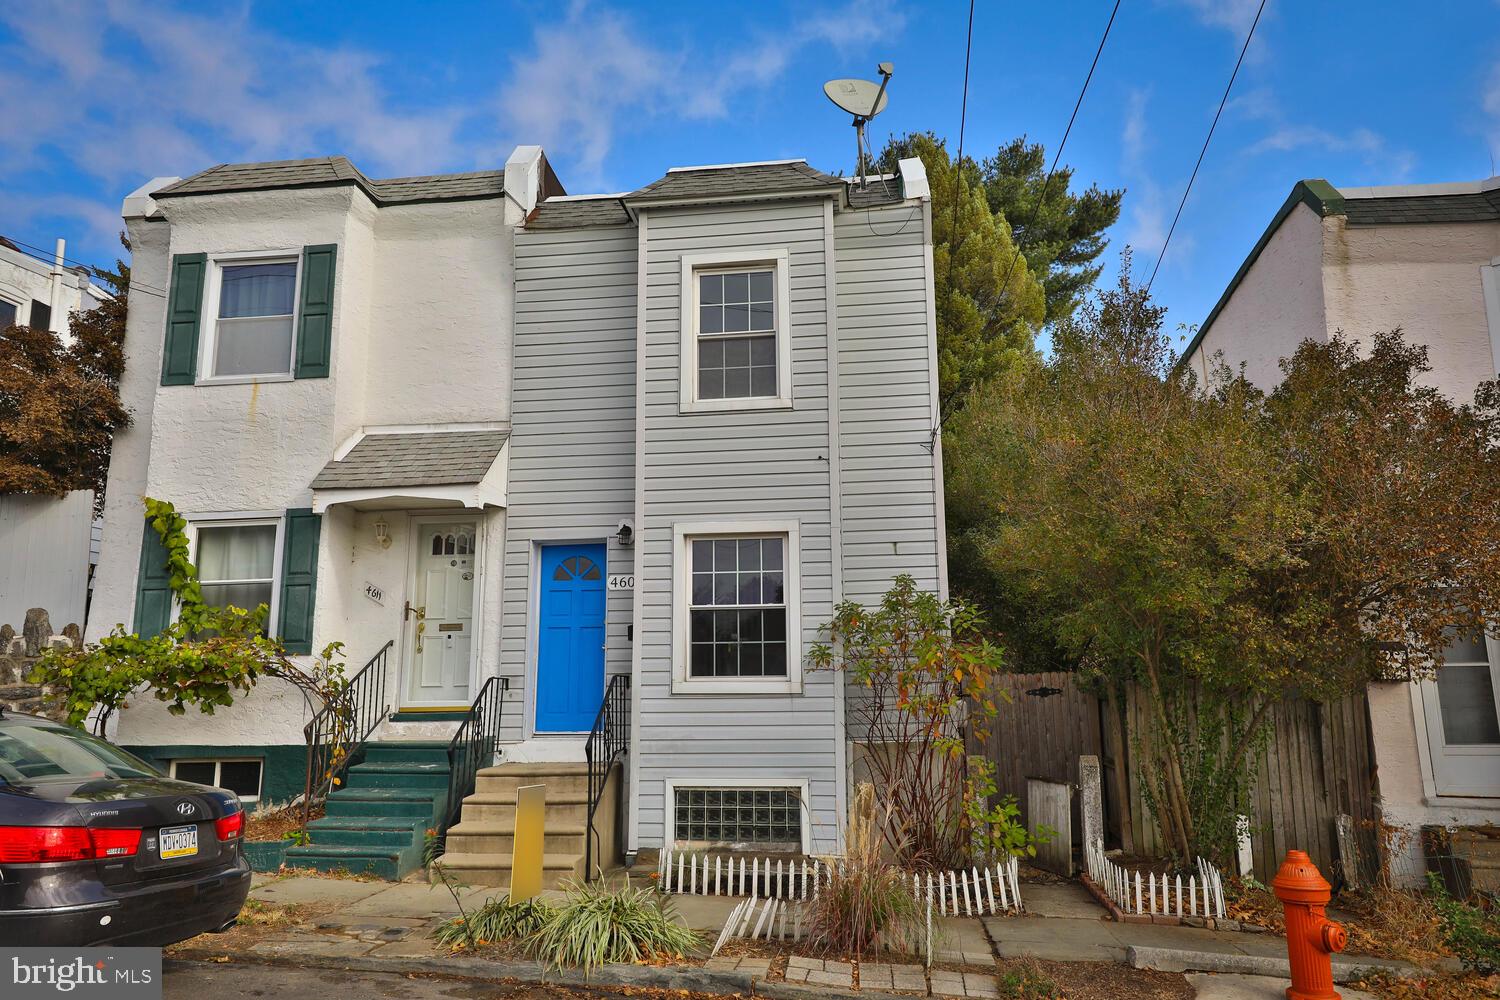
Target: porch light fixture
<point x="625" y="534"/>
<point x="382" y="533"/>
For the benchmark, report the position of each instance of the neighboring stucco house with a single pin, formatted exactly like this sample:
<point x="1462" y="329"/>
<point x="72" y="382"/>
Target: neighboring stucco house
<point x="541" y="438"/>
<point x="1425" y="258"/>
<point x="50" y="542"/>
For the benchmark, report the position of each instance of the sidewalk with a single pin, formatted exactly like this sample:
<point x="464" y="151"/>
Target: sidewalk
<point x="380" y="925"/>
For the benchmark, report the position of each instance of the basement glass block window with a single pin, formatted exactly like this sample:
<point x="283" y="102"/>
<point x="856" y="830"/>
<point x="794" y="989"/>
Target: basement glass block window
<point x="738" y="816"/>
<point x="253" y="332"/>
<point x="737" y="611"/>
<point x="736" y="334"/>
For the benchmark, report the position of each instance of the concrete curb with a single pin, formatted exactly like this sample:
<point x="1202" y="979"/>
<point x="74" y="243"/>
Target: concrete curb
<point x="1345" y="970"/>
<point x="459" y="967"/>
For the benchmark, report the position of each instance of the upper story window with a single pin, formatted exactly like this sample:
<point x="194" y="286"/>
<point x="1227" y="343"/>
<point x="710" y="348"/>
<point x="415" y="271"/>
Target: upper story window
<point x="7" y="314"/>
<point x="255" y="308"/>
<point x="736" y="343"/>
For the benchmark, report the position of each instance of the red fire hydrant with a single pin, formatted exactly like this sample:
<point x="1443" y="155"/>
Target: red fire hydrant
<point x="1310" y="936"/>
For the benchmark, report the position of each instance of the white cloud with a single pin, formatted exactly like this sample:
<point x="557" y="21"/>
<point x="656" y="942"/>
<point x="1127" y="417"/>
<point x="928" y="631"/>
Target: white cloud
<point x="1233" y="15"/>
<point x="1384" y="163"/>
<point x="1149" y="204"/>
<point x="597" y="72"/>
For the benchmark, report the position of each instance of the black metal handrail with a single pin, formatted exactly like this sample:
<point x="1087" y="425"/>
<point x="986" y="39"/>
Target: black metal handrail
<point x="338" y="732"/>
<point x="608" y="741"/>
<point x="474" y="746"/>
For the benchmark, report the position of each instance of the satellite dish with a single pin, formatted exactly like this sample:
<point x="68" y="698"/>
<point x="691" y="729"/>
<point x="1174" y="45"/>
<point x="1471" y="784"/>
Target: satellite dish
<point x="864" y="100"/>
<point x="860" y="98"/>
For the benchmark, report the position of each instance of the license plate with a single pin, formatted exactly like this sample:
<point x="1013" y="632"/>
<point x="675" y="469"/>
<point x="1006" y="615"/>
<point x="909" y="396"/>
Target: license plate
<point x="178" y="842"/>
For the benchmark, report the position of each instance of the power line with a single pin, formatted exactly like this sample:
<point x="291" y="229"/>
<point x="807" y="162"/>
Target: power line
<point x="958" y="172"/>
<point x="26" y="250"/>
<point x="41" y="254"/>
<point x="1057" y="154"/>
<point x="1206" y="139"/>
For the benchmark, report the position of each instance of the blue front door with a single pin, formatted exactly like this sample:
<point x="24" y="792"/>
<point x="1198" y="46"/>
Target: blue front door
<point x="570" y="639"/>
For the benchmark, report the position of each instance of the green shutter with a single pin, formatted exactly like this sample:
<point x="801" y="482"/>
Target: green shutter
<point x="299" y="579"/>
<point x="315" y="319"/>
<point x="153" y="590"/>
<point x="179" y="357"/>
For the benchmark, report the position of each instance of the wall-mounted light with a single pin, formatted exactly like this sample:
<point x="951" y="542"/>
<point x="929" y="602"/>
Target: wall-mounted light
<point x="625" y="534"/>
<point x="382" y="533"/>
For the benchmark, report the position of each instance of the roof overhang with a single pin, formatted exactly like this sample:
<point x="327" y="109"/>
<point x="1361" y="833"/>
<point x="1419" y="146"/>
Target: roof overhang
<point x="417" y="468"/>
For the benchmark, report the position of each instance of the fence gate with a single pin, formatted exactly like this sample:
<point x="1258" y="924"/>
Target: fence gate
<point x="1044" y="722"/>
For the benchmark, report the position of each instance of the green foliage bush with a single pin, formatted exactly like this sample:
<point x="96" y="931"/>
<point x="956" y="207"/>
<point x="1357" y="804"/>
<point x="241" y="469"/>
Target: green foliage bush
<point x="1026" y="981"/>
<point x="597" y="925"/>
<point x="1473" y="934"/>
<point x="497" y="920"/>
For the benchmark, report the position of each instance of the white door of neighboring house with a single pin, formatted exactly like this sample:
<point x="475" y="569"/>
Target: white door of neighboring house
<point x="440" y="643"/>
<point x="1462" y="715"/>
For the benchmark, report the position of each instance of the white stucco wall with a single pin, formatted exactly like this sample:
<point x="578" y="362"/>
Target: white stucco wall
<point x="421" y="334"/>
<point x="441" y="321"/>
<point x="1277" y="305"/>
<point x="1424" y="279"/>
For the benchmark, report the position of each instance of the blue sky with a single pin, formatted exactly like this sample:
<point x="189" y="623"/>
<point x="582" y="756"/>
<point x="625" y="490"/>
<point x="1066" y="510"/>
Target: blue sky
<point x="98" y="97"/>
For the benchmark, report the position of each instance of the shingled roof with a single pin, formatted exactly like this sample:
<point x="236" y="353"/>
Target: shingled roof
<point x="574" y="213"/>
<point x="735" y="180"/>
<point x="331" y="171"/>
<point x="1478" y="206"/>
<point x="414" y="458"/>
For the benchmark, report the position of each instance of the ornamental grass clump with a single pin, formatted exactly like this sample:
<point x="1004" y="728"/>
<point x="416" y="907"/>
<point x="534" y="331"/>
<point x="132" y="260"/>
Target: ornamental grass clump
<point x="597" y="925"/>
<point x="497" y="920"/>
<point x="867" y="903"/>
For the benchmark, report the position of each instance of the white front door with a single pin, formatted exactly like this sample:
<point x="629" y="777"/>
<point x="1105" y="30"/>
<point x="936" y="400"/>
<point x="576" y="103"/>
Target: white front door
<point x="440" y="627"/>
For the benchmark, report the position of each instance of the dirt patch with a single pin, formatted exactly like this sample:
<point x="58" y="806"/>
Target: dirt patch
<point x="257" y="920"/>
<point x="1386" y="923"/>
<point x="1468" y="986"/>
<point x="1034" y="979"/>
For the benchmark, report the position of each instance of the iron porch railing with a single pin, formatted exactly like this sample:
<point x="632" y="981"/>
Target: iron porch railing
<point x="474" y="746"/>
<point x="608" y="741"/>
<point x="338" y="732"/>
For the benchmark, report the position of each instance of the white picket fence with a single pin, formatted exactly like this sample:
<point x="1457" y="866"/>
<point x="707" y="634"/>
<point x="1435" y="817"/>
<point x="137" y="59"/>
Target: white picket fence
<point x="974" y="891"/>
<point x="1201" y="895"/>
<point x="767" y="919"/>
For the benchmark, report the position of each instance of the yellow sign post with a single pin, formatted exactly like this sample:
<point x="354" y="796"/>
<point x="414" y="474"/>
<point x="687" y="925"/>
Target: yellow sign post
<point x="526" y="861"/>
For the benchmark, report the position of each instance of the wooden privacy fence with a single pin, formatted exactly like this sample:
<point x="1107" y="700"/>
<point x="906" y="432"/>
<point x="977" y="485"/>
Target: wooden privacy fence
<point x="1316" y="765"/>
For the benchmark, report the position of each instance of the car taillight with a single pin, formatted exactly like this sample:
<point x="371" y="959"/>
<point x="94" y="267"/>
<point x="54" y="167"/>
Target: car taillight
<point x="231" y="826"/>
<point x="34" y="844"/>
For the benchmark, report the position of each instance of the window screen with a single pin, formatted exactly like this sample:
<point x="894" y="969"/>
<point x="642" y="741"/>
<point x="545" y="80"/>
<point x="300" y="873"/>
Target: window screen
<point x="734" y="816"/>
<point x="737" y="613"/>
<point x="253" y="335"/>
<point x="736" y="334"/>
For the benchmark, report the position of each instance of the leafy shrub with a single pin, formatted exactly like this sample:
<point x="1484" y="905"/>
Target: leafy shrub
<point x="867" y="902"/>
<point x="597" y="925"/>
<point x="497" y="920"/>
<point x="1473" y="934"/>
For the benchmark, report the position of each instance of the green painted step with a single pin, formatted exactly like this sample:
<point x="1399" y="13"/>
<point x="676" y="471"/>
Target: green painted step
<point x="418" y="803"/>
<point x="407" y="753"/>
<point x="391" y="864"/>
<point x="366" y="831"/>
<point x="392" y="775"/>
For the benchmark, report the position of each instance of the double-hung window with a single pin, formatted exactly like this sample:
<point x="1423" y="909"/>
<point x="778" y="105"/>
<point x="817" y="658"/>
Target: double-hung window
<point x="1462" y="716"/>
<point x="238" y="561"/>
<point x="736" y="345"/>
<point x="253" y="309"/>
<point x="738" y="609"/>
<point x="7" y="313"/>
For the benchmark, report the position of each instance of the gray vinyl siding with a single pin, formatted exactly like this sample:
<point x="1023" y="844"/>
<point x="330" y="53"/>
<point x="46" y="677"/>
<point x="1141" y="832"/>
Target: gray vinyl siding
<point x="572" y="445"/>
<point x="889" y="489"/>
<point x="771" y="464"/>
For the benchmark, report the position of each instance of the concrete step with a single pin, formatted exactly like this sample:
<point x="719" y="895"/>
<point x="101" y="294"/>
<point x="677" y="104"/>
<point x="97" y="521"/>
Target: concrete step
<point x="405" y="774"/>
<point x="416" y="752"/>
<point x="494" y="869"/>
<point x="500" y="838"/>
<point x="534" y="768"/>
<point x="388" y="863"/>
<point x="499" y="809"/>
